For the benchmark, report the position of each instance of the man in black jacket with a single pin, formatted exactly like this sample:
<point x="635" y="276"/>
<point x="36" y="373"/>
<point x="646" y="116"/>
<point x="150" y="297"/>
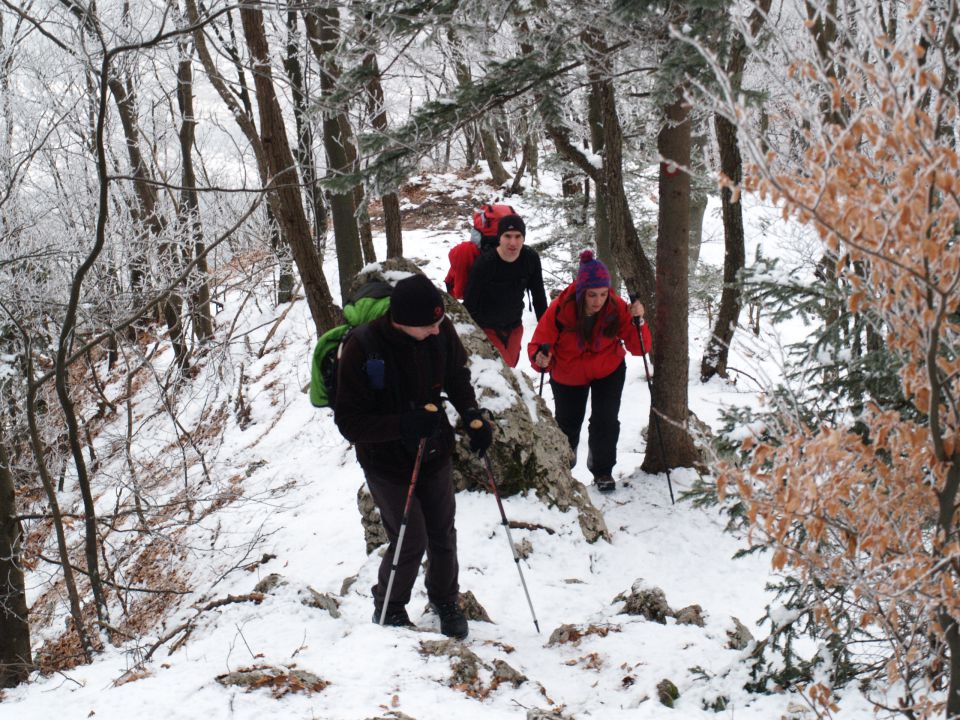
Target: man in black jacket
<point x="498" y="281"/>
<point x="388" y="400"/>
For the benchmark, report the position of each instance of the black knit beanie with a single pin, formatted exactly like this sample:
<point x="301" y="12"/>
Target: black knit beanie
<point x="511" y="222"/>
<point x="416" y="302"/>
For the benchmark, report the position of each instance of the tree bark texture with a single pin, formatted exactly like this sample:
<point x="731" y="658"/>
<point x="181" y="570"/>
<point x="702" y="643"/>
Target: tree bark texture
<point x="190" y="205"/>
<point x="323" y="29"/>
<point x="669" y="405"/>
<point x="284" y="185"/>
<point x="598" y="70"/>
<point x="632" y="263"/>
<point x="305" y="140"/>
<point x="491" y="153"/>
<point x="376" y="107"/>
<point x="63" y="550"/>
<point x="361" y="213"/>
<point x="714" y="360"/>
<point x="15" y="659"/>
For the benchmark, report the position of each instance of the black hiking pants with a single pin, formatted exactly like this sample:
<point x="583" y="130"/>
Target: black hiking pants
<point x="570" y="405"/>
<point x="430" y="529"/>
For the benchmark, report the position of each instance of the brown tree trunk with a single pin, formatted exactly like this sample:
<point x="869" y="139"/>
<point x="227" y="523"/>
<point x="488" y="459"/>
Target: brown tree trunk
<point x="15" y="658"/>
<point x="378" y="114"/>
<point x="323" y="30"/>
<point x="698" y="196"/>
<point x="715" y="356"/>
<point x="633" y="265"/>
<point x="190" y="206"/>
<point x="284" y="186"/>
<point x="325" y="314"/>
<point x="361" y="211"/>
<point x="305" y="141"/>
<point x="598" y="72"/>
<point x="631" y="261"/>
<point x="39" y="456"/>
<point x="491" y="153"/>
<point x="669" y="405"/>
<point x="714" y="360"/>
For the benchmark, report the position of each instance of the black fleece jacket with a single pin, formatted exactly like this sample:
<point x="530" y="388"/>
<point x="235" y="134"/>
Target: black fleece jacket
<point x="494" y="295"/>
<point x="415" y="373"/>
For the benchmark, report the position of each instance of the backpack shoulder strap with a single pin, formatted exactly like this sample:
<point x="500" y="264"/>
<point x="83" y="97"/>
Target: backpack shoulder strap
<point x="364" y="335"/>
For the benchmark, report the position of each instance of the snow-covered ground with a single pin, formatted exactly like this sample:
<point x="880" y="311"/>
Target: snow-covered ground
<point x="299" y="481"/>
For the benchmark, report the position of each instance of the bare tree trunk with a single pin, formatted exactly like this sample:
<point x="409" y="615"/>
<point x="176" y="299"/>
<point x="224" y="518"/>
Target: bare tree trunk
<point x="305" y="141"/>
<point x="669" y="404"/>
<point x="323" y="27"/>
<point x="61" y="369"/>
<point x="190" y="206"/>
<point x="491" y="153"/>
<point x="531" y="151"/>
<point x="284" y="186"/>
<point x="376" y="107"/>
<point x="714" y="359"/>
<point x="63" y="550"/>
<point x="361" y="212"/>
<point x="698" y="196"/>
<point x="15" y="658"/>
<point x="633" y="265"/>
<point x="274" y="167"/>
<point x="598" y="71"/>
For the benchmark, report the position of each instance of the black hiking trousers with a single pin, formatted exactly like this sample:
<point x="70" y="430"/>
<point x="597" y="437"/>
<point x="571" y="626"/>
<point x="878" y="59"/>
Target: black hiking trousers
<point x="570" y="405"/>
<point x="430" y="530"/>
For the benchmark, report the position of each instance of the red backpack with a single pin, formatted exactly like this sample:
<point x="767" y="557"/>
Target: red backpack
<point x="485" y="222"/>
<point x="483" y="236"/>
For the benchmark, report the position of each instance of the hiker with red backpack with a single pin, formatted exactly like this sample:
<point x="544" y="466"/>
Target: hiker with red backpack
<point x="388" y="403"/>
<point x="580" y="341"/>
<point x="483" y="237"/>
<point x="498" y="281"/>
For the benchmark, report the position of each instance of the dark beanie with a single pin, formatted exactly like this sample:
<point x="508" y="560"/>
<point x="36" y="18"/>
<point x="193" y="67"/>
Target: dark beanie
<point x="416" y="302"/>
<point x="592" y="274"/>
<point x="511" y="222"/>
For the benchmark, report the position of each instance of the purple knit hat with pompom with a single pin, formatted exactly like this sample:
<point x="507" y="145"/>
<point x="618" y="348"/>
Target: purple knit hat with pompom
<point x="592" y="274"/>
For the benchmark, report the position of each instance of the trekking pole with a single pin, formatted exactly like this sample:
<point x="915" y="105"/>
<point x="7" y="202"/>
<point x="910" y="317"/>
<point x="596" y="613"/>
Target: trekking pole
<point x="429" y="407"/>
<point x="506" y="527"/>
<point x="656" y="415"/>
<point x="543" y="348"/>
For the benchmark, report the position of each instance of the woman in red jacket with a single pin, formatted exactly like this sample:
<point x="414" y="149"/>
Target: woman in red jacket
<point x="580" y="340"/>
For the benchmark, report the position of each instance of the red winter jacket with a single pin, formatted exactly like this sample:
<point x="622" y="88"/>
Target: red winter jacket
<point x="462" y="257"/>
<point x="573" y="363"/>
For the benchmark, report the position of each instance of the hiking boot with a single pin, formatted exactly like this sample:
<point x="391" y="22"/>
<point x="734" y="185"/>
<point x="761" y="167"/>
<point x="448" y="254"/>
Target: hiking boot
<point x="396" y="616"/>
<point x="604" y="483"/>
<point x="453" y="623"/>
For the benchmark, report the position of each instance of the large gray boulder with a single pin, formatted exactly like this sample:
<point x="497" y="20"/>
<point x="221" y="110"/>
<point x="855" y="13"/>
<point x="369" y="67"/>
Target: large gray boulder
<point x="530" y="452"/>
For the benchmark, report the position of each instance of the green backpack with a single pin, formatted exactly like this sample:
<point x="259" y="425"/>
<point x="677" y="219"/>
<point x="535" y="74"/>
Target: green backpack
<point x="368" y="303"/>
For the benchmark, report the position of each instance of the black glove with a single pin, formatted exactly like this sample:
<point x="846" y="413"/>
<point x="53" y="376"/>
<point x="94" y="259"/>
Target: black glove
<point x="419" y="424"/>
<point x="478" y="430"/>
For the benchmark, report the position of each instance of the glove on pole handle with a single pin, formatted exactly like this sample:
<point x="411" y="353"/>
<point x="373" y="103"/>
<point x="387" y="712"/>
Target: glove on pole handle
<point x="543" y="348"/>
<point x="656" y="416"/>
<point x="506" y="527"/>
<point x="429" y="407"/>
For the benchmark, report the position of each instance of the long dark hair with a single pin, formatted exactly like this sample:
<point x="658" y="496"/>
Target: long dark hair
<point x="584" y="324"/>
